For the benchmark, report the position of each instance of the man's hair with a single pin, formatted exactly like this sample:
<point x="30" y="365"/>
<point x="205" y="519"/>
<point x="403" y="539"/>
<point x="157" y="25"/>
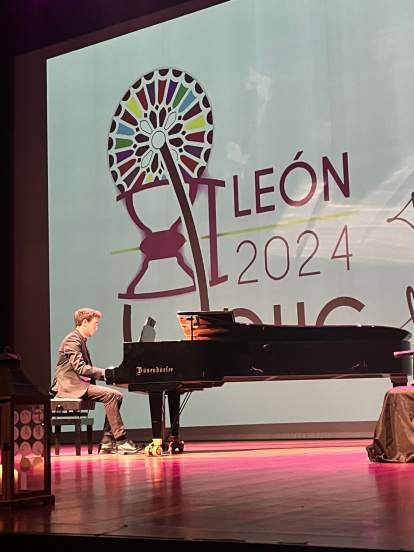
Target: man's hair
<point x="85" y="314"/>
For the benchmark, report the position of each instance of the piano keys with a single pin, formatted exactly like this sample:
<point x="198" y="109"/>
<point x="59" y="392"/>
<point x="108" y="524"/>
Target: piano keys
<point x="217" y="349"/>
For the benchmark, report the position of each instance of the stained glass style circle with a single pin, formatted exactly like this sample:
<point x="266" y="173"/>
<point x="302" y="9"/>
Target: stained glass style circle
<point x="165" y="106"/>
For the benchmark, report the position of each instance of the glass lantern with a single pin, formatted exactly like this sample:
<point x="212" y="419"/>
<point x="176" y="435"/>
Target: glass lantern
<point x="25" y="429"/>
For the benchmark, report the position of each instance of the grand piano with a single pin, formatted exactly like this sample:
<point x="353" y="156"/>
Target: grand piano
<point x="217" y="349"/>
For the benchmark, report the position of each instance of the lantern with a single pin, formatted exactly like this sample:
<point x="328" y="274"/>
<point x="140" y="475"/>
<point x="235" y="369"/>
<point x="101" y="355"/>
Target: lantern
<point x="25" y="430"/>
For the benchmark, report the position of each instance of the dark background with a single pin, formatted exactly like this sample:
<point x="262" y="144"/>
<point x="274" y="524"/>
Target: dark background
<point x="30" y="25"/>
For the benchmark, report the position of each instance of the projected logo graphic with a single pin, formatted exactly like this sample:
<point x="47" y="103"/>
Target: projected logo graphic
<point x="408" y="219"/>
<point x="407" y="211"/>
<point x="161" y="134"/>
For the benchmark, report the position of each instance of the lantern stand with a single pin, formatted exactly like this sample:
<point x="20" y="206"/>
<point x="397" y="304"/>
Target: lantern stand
<point x="25" y="433"/>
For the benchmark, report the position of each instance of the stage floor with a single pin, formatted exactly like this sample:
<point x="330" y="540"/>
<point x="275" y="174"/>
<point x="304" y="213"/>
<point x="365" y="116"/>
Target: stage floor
<point x="323" y="494"/>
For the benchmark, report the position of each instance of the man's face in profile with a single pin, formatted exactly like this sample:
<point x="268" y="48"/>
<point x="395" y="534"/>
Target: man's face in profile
<point x="89" y="328"/>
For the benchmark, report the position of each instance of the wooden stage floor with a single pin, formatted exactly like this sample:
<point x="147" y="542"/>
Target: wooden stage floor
<point x="262" y="495"/>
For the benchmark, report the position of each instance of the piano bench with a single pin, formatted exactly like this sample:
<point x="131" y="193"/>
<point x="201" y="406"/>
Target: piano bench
<point x="66" y="412"/>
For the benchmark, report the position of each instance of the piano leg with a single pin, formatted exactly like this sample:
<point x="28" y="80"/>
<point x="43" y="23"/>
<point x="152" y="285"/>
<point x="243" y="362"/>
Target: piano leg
<point x="157" y="410"/>
<point x="176" y="446"/>
<point x="156" y="400"/>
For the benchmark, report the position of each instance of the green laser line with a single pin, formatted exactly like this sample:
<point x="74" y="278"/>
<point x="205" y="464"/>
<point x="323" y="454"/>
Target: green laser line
<point x="258" y="228"/>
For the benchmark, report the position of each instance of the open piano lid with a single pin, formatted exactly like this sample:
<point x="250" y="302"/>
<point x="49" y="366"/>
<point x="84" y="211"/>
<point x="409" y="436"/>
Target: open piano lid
<point x="205" y="324"/>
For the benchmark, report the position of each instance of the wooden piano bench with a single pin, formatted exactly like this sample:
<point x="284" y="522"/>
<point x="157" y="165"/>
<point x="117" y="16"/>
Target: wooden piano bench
<point x="74" y="412"/>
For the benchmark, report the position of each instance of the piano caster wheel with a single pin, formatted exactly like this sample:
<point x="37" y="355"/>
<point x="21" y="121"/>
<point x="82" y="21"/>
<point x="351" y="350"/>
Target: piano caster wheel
<point x="176" y="446"/>
<point x="154" y="448"/>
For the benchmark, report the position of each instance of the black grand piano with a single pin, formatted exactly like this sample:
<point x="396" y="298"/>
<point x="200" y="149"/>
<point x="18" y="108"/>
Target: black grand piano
<point x="217" y="349"/>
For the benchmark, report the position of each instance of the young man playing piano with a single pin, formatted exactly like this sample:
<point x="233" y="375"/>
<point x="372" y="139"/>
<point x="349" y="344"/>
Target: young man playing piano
<point x="75" y="378"/>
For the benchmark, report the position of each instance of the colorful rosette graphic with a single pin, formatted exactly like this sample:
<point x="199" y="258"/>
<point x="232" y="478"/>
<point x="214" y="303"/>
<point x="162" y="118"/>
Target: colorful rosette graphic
<point x="165" y="106"/>
<point x="162" y="133"/>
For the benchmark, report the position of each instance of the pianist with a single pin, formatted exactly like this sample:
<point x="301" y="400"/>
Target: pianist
<point x="75" y="378"/>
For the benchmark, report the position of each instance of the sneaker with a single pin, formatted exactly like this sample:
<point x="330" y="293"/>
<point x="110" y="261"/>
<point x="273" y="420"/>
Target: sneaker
<point x="126" y="447"/>
<point x="107" y="448"/>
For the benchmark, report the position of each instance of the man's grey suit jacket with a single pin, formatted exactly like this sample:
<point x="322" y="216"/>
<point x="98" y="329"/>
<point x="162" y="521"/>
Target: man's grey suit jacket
<point x="74" y="369"/>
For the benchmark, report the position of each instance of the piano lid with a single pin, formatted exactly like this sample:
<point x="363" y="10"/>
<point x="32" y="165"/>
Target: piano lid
<point x="221" y="325"/>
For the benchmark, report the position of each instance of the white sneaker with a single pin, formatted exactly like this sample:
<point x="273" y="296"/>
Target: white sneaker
<point x="126" y="447"/>
<point x="107" y="448"/>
